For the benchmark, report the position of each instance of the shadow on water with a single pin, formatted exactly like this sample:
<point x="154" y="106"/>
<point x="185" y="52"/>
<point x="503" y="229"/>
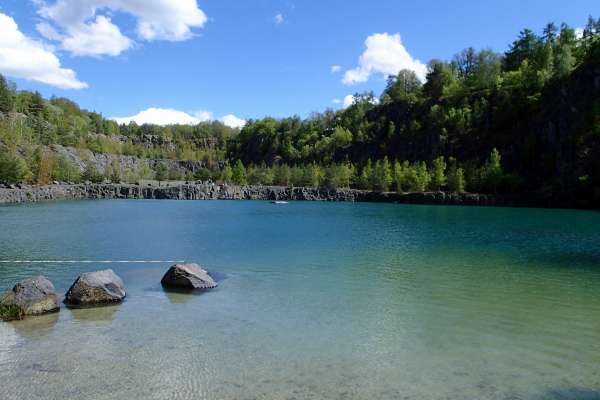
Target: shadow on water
<point x="36" y="326"/>
<point x="95" y="314"/>
<point x="571" y="393"/>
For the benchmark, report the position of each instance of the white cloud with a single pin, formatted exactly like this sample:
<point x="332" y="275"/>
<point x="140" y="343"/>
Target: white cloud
<point x="579" y="33"/>
<point x="336" y="101"/>
<point x="22" y="57"/>
<point x="279" y="19"/>
<point x="160" y="116"/>
<point x="336" y="68"/>
<point x="386" y="55"/>
<point x="232" y="121"/>
<point x="170" y="116"/>
<point x="203" y="116"/>
<point x="348" y="100"/>
<point x="95" y="38"/>
<point x="47" y="31"/>
<point x="82" y="30"/>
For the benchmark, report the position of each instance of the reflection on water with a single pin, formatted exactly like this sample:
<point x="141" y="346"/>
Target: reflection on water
<point x="321" y="301"/>
<point x="36" y="327"/>
<point x="94" y="314"/>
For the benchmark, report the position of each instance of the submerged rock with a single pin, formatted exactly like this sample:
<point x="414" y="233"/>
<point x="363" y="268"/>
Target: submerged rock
<point x="32" y="296"/>
<point x="190" y="276"/>
<point x="93" y="288"/>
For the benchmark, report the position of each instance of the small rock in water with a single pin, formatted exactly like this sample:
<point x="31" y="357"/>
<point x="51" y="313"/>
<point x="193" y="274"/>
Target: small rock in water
<point x="190" y="276"/>
<point x="93" y="288"/>
<point x="31" y="296"/>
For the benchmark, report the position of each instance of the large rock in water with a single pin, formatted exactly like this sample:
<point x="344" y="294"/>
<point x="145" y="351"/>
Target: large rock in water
<point x="190" y="276"/>
<point x="94" y="288"/>
<point x="32" y="296"/>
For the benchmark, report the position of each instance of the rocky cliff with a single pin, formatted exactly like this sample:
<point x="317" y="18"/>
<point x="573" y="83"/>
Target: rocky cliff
<point x="211" y="191"/>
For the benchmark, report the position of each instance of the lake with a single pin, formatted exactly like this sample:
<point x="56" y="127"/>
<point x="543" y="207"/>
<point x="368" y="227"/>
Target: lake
<point x="315" y="301"/>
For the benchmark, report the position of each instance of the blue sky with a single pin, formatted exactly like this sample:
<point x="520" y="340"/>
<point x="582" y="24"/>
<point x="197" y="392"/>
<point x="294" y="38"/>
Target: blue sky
<point x="251" y="58"/>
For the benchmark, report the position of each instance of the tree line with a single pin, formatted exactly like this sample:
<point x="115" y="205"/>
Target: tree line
<point x="523" y="120"/>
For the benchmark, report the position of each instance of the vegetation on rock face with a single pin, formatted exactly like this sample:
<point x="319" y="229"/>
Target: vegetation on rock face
<point x="527" y="120"/>
<point x="11" y="312"/>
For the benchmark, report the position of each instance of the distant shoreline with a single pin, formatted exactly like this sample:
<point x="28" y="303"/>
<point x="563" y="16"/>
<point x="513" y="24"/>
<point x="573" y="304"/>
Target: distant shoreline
<point x="212" y="191"/>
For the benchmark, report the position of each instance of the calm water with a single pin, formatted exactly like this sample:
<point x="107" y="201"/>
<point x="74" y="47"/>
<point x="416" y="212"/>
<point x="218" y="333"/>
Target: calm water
<point x="316" y="301"/>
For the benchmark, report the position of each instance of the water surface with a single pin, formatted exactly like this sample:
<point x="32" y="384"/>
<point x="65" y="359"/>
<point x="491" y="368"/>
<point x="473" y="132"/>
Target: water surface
<point x="315" y="301"/>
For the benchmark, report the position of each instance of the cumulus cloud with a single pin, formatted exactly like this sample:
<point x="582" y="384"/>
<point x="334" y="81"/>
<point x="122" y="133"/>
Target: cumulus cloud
<point x="96" y="38"/>
<point x="160" y="116"/>
<point x="336" y="68"/>
<point x="22" y="57"/>
<point x="170" y="116"/>
<point x="203" y="116"/>
<point x="336" y="101"/>
<point x="232" y="121"/>
<point x="82" y="30"/>
<point x="279" y="19"/>
<point x="386" y="55"/>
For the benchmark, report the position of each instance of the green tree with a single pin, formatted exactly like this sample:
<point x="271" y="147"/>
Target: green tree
<point x="423" y="176"/>
<point x="227" y="174"/>
<point x="7" y="96"/>
<point x="438" y="178"/>
<point x="91" y="174"/>
<point x="13" y="169"/>
<point x="161" y="172"/>
<point x="382" y="175"/>
<point x="239" y="173"/>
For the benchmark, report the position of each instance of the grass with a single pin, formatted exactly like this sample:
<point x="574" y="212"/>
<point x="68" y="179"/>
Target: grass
<point x="10" y="312"/>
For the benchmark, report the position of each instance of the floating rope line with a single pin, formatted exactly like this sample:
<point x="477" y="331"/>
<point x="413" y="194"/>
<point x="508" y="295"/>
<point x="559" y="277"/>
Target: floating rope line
<point x="90" y="261"/>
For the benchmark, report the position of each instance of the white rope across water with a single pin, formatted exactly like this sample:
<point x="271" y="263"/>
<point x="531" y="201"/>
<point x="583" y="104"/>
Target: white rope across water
<point x="90" y="261"/>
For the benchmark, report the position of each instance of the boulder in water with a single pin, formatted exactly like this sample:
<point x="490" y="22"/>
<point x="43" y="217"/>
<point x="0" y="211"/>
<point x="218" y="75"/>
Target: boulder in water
<point x="96" y="288"/>
<point x="31" y="296"/>
<point x="188" y="276"/>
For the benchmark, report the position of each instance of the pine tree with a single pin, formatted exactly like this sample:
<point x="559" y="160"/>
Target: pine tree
<point x="239" y="173"/>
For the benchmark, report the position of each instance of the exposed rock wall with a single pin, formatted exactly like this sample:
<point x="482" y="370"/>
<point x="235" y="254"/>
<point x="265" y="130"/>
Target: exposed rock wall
<point x="211" y="191"/>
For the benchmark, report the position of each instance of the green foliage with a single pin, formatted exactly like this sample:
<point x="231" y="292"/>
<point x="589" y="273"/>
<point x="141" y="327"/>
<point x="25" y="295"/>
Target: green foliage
<point x="537" y="104"/>
<point x="11" y="312"/>
<point x="239" y="173"/>
<point x="381" y="175"/>
<point x="91" y="174"/>
<point x="227" y="174"/>
<point x="161" y="172"/>
<point x="438" y="175"/>
<point x="13" y="169"/>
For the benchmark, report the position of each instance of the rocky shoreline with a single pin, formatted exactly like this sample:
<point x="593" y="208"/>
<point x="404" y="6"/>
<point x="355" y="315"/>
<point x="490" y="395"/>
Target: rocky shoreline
<point x="211" y="191"/>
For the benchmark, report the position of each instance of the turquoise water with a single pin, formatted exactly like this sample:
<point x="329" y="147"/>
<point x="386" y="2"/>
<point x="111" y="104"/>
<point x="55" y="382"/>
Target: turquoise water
<point x="315" y="301"/>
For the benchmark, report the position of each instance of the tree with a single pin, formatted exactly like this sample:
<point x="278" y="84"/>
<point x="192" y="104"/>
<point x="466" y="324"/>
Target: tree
<point x="382" y="175"/>
<point x="283" y="175"/>
<point x="227" y="174"/>
<point x="90" y="174"/>
<point x="423" y="176"/>
<point x="13" y="169"/>
<point x="438" y="178"/>
<point x="7" y="96"/>
<point x="403" y="87"/>
<point x="492" y="171"/>
<point x="364" y="179"/>
<point x="456" y="180"/>
<point x="239" y="173"/>
<point x="161" y="172"/>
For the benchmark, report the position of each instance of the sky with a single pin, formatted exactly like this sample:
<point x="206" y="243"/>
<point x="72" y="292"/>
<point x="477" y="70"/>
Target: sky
<point x="186" y="61"/>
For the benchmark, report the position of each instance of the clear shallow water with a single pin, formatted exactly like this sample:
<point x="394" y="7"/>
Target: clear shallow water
<point x="316" y="301"/>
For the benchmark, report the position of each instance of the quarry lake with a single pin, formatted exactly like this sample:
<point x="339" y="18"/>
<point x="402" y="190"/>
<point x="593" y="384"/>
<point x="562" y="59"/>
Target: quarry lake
<point x="315" y="301"/>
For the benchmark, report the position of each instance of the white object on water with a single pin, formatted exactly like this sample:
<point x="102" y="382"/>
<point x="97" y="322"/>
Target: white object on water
<point x="278" y="202"/>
